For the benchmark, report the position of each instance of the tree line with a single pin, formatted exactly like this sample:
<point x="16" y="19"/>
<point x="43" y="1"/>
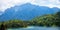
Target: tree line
<point x="45" y="20"/>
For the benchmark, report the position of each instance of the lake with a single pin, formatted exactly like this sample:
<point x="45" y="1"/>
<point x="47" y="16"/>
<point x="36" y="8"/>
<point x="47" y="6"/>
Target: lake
<point x="37" y="28"/>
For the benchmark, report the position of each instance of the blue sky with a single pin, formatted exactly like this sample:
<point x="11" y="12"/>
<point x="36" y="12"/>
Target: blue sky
<point x="4" y="4"/>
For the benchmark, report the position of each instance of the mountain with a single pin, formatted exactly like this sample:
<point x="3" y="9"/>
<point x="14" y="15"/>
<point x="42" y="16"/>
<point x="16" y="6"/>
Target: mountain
<point x="26" y="12"/>
<point x="1" y="12"/>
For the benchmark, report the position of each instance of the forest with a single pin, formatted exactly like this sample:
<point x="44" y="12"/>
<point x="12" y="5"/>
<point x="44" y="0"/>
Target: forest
<point x="48" y="20"/>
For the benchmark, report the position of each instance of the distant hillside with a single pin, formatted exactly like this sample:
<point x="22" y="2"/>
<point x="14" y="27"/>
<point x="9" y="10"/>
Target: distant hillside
<point x="26" y="12"/>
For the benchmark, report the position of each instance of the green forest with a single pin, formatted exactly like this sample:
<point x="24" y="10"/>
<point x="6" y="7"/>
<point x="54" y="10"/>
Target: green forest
<point x="48" y="20"/>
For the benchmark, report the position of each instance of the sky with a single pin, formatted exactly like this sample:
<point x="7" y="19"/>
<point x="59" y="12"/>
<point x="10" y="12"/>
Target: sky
<point x="4" y="4"/>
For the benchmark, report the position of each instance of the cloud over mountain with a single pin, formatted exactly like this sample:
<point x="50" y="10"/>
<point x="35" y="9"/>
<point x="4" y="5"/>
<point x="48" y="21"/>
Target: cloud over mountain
<point x="4" y="4"/>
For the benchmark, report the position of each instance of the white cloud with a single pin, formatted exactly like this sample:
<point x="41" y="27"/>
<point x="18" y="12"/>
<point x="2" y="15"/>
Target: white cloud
<point x="49" y="3"/>
<point x="4" y="4"/>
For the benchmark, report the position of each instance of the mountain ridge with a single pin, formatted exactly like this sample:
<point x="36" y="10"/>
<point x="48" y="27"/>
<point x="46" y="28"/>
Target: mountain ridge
<point x="26" y="11"/>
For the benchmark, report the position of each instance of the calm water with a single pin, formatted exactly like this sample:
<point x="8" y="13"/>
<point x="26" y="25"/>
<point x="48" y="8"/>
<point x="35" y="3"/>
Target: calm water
<point x="37" y="28"/>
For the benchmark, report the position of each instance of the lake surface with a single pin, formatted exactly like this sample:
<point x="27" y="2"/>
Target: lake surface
<point x="37" y="28"/>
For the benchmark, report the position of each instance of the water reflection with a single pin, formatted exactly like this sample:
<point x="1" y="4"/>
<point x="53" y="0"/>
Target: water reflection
<point x="38" y="28"/>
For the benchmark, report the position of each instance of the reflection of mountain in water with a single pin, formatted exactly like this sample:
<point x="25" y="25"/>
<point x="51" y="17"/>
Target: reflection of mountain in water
<point x="26" y="11"/>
